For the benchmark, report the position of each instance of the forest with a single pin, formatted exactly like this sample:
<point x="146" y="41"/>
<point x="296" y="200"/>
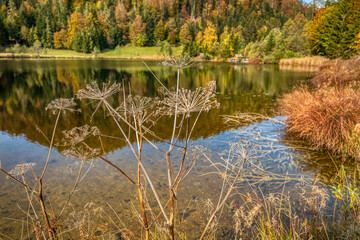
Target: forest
<point x="267" y="30"/>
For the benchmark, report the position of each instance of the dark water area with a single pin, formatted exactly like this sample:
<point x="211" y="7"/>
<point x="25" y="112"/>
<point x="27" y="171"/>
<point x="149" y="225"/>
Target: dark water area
<point x="26" y="87"/>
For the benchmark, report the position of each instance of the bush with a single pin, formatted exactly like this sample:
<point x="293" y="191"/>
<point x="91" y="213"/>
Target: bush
<point x="338" y="73"/>
<point x="327" y="115"/>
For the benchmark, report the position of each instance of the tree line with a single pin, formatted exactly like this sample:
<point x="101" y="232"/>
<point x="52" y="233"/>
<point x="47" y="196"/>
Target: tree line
<point x="260" y="29"/>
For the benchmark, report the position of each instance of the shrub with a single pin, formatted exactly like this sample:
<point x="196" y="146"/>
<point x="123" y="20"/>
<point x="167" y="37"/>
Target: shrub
<point x="338" y="73"/>
<point x="327" y="114"/>
<point x="326" y="117"/>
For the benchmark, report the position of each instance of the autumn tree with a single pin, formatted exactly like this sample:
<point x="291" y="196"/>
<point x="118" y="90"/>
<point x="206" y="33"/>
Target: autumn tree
<point x="173" y="32"/>
<point x="334" y="29"/>
<point x="161" y="31"/>
<point x="60" y="39"/>
<point x="208" y="39"/>
<point x="138" y="32"/>
<point x="293" y="34"/>
<point x="185" y="33"/>
<point x="76" y="23"/>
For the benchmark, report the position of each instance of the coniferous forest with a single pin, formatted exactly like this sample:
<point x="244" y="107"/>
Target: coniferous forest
<point x="259" y="29"/>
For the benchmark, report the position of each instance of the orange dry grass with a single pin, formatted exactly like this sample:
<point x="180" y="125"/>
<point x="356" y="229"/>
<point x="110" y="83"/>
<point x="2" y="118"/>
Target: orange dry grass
<point x="314" y="61"/>
<point x="325" y="117"/>
<point x="338" y="73"/>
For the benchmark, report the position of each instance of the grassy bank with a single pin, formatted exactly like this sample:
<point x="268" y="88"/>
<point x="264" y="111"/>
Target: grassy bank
<point x="126" y="52"/>
<point x="327" y="113"/>
<point x="314" y="61"/>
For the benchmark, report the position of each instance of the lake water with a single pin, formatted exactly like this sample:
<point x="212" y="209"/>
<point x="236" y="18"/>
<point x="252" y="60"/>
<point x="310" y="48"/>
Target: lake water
<point x="27" y="86"/>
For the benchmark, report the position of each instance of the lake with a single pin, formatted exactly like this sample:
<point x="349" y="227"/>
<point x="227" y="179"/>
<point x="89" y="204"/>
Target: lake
<point x="104" y="200"/>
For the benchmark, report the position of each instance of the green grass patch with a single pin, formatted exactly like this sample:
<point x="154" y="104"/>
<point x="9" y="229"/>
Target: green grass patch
<point x="129" y="52"/>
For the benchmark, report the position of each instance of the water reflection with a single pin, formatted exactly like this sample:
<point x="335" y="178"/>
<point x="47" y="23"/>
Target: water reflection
<point x="26" y="87"/>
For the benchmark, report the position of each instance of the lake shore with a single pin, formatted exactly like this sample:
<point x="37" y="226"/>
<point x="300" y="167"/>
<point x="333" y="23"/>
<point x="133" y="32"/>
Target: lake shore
<point x="144" y="53"/>
<point x="127" y="52"/>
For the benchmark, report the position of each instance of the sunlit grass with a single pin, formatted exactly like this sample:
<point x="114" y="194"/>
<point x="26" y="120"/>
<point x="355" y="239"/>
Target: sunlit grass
<point x="313" y="61"/>
<point x="125" y="52"/>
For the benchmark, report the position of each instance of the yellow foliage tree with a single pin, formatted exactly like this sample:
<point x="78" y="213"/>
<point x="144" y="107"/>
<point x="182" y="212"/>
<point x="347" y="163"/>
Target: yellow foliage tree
<point x="208" y="40"/>
<point x="357" y="43"/>
<point x="76" y="22"/>
<point x="138" y="32"/>
<point x="60" y="39"/>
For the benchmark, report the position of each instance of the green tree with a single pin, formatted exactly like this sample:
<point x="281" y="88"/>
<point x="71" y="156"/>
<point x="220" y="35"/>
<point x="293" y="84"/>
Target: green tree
<point x="4" y="35"/>
<point x="161" y="31"/>
<point x="165" y="48"/>
<point x="116" y="35"/>
<point x="37" y="49"/>
<point x="192" y="49"/>
<point x="138" y="32"/>
<point x="118" y="50"/>
<point x="333" y="31"/>
<point x="96" y="52"/>
<point x="12" y="20"/>
<point x="270" y="42"/>
<point x="185" y="33"/>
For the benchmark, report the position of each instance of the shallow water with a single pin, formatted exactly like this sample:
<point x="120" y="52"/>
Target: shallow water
<point x="26" y="87"/>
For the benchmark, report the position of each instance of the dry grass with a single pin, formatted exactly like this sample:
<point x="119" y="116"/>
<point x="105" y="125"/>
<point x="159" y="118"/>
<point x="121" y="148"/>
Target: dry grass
<point x="326" y="117"/>
<point x="327" y="114"/>
<point x="314" y="61"/>
<point x="338" y="73"/>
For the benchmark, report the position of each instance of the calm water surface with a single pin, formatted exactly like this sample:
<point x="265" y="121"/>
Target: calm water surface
<point x="26" y="87"/>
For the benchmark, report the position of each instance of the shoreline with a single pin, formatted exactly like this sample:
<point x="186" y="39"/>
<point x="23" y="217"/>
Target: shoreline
<point x="30" y="56"/>
<point x="313" y="61"/>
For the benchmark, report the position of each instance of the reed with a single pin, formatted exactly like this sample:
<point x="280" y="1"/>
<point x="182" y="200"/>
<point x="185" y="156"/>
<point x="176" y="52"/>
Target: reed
<point x="314" y="61"/>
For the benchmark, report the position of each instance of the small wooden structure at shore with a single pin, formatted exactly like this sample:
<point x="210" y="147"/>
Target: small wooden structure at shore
<point x="238" y="58"/>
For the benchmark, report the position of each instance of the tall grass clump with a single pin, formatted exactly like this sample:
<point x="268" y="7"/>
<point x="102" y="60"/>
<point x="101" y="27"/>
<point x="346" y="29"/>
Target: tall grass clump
<point x="314" y="61"/>
<point x="327" y="113"/>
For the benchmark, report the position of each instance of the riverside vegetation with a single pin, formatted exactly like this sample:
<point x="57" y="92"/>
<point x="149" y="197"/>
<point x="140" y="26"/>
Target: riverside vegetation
<point x="326" y="113"/>
<point x="325" y="213"/>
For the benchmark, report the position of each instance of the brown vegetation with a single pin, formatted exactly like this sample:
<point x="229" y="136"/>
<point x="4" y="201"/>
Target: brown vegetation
<point x="314" y="61"/>
<point x="327" y="114"/>
<point x="339" y="73"/>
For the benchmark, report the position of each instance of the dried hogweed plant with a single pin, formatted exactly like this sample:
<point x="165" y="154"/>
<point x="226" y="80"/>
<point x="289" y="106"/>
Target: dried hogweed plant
<point x="58" y="107"/>
<point x="138" y="115"/>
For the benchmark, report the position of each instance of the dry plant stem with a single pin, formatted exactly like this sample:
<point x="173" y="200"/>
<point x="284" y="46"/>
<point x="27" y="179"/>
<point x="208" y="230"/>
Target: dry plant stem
<point x="35" y="220"/>
<point x="184" y="151"/>
<point x="16" y="180"/>
<point x="117" y="168"/>
<point x="2" y="234"/>
<point x="32" y="207"/>
<point x="168" y="164"/>
<point x="224" y="180"/>
<point x="112" y="111"/>
<point x="156" y="77"/>
<point x="51" y="145"/>
<point x="40" y="195"/>
<point x="177" y="185"/>
<point x="113" y="165"/>
<point x="51" y="231"/>
<point x="147" y="231"/>
<point x="223" y="201"/>
<point x="73" y="189"/>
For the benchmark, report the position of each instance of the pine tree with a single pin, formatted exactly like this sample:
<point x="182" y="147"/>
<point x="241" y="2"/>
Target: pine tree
<point x="12" y="20"/>
<point x="4" y="35"/>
